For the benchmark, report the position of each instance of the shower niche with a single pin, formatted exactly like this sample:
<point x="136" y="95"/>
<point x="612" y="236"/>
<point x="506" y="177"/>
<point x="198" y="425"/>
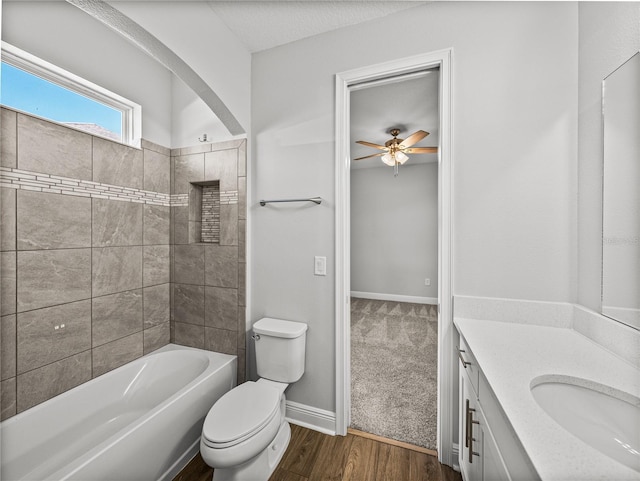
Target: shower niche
<point x="204" y="212"/>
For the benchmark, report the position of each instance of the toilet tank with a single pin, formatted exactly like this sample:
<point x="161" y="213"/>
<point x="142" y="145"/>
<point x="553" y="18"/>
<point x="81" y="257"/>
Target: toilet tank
<point x="280" y="349"/>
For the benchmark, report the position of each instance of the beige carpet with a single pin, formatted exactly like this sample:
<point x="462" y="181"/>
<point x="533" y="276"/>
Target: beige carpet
<point x="394" y="370"/>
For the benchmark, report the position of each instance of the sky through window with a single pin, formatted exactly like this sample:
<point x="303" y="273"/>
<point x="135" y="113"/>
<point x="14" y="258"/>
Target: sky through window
<point x="29" y="93"/>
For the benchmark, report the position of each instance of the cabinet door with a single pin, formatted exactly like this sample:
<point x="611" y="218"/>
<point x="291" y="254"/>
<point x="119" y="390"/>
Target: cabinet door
<point x="470" y="436"/>
<point x="493" y="468"/>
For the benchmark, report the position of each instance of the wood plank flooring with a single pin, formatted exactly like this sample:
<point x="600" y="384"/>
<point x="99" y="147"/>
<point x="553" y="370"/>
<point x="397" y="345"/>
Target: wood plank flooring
<point x="313" y="456"/>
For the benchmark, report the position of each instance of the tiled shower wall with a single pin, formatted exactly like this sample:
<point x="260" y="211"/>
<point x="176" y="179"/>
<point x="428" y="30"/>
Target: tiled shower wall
<point x="85" y="261"/>
<point x="208" y="279"/>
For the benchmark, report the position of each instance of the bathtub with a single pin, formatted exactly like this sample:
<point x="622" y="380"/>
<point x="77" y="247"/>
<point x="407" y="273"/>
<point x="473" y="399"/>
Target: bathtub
<point x="141" y="421"/>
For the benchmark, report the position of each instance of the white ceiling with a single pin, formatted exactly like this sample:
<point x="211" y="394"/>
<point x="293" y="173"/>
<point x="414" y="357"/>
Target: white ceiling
<point x="408" y="104"/>
<point x="264" y="24"/>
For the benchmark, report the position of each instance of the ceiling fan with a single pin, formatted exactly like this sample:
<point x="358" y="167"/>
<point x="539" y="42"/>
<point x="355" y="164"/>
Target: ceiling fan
<point x="396" y="150"/>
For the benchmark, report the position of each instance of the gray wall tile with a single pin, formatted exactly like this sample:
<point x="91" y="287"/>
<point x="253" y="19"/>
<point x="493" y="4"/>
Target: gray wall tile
<point x="117" y="353"/>
<point x="116" y="269"/>
<point x="220" y="340"/>
<point x="8" y="282"/>
<point x="148" y="145"/>
<point x="242" y="284"/>
<point x="53" y="277"/>
<point x="188" y="335"/>
<point x="8" y="347"/>
<point x="157" y="170"/>
<point x="156" y="262"/>
<point x="117" y="164"/>
<point x="242" y="197"/>
<point x="116" y="316"/>
<point x="8" y="219"/>
<point x="116" y="223"/>
<point x="222" y="165"/>
<point x="242" y="159"/>
<point x="229" y="225"/>
<point x="157" y="305"/>
<point x="156" y="224"/>
<point x="52" y="221"/>
<point x="36" y="386"/>
<point x="8" y="138"/>
<point x="242" y="240"/>
<point x="180" y="225"/>
<point x="188" y="304"/>
<point x="221" y="308"/>
<point x="7" y="398"/>
<point x="53" y="149"/>
<point x="193" y="149"/>
<point x="40" y="343"/>
<point x="188" y="264"/>
<point x="187" y="169"/>
<point x="221" y="265"/>
<point x="156" y="337"/>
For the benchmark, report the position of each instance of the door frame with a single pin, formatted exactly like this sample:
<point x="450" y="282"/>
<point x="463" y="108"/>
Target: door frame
<point x="345" y="81"/>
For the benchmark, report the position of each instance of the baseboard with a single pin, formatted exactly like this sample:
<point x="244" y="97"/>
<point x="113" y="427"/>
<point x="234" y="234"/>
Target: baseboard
<point x="311" y="417"/>
<point x="394" y="297"/>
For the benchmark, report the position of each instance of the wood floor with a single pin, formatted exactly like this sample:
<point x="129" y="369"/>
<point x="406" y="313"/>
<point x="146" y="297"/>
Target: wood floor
<point x="313" y="456"/>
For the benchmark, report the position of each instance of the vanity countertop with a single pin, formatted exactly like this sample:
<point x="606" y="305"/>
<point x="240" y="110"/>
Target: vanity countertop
<point x="511" y="355"/>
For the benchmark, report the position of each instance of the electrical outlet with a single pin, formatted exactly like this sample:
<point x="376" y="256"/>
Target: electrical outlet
<point x="427" y="282"/>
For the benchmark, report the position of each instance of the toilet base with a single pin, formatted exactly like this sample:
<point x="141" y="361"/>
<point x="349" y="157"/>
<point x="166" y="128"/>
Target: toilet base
<point x="260" y="467"/>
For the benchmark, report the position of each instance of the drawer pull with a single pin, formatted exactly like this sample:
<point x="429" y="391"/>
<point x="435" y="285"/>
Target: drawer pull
<point x="464" y="363"/>
<point x="467" y="426"/>
<point x="469" y="439"/>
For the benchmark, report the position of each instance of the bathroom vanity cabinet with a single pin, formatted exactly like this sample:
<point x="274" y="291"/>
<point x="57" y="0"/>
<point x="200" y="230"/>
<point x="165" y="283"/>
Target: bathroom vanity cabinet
<point x="489" y="450"/>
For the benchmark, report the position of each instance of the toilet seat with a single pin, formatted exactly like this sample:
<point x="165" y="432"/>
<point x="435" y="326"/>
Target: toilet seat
<point x="240" y="414"/>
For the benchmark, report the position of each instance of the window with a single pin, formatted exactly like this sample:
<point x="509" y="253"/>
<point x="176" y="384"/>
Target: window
<point x="31" y="85"/>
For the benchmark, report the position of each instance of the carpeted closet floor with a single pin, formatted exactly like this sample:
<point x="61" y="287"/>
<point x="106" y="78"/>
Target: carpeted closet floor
<point x="394" y="347"/>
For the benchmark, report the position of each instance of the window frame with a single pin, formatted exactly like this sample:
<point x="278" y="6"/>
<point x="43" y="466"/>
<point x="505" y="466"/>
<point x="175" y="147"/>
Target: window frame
<point x="131" y="111"/>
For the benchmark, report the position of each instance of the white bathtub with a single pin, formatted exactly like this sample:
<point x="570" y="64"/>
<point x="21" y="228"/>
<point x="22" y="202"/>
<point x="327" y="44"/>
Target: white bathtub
<point x="141" y="421"/>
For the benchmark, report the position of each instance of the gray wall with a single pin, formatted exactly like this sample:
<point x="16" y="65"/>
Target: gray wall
<point x="85" y="257"/>
<point x="394" y="230"/>
<point x="514" y="159"/>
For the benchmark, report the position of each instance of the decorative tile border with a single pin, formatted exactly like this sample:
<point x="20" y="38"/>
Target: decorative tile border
<point x="180" y="200"/>
<point x="227" y="197"/>
<point x="55" y="184"/>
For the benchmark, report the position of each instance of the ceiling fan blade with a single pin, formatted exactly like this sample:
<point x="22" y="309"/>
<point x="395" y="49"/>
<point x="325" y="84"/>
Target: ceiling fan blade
<point x="368" y="156"/>
<point x="369" y="144"/>
<point x="414" y="138"/>
<point x="421" y="150"/>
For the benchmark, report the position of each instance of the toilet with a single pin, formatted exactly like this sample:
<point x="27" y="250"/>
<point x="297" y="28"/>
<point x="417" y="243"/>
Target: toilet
<point x="245" y="433"/>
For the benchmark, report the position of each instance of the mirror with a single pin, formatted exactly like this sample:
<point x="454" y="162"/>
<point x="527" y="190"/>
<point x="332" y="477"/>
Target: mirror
<point x="621" y="194"/>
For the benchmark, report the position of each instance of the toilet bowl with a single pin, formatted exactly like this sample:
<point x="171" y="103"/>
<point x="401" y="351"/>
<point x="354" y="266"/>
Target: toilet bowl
<point x="245" y="434"/>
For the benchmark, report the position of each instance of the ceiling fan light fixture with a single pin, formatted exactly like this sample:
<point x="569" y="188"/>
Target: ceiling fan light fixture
<point x="388" y="159"/>
<point x="401" y="157"/>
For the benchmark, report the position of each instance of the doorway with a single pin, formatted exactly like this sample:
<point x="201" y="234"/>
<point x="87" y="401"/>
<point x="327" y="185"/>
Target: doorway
<point x="345" y="82"/>
<point x="394" y="259"/>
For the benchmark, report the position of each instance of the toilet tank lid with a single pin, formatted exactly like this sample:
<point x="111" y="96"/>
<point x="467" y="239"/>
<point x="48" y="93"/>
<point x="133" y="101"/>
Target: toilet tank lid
<point x="269" y="326"/>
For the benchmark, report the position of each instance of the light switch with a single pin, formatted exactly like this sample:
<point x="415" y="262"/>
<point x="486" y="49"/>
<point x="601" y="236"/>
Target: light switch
<point x="320" y="266"/>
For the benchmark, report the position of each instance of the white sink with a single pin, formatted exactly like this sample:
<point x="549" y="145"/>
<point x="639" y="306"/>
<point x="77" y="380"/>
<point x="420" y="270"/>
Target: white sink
<point x="604" y="418"/>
